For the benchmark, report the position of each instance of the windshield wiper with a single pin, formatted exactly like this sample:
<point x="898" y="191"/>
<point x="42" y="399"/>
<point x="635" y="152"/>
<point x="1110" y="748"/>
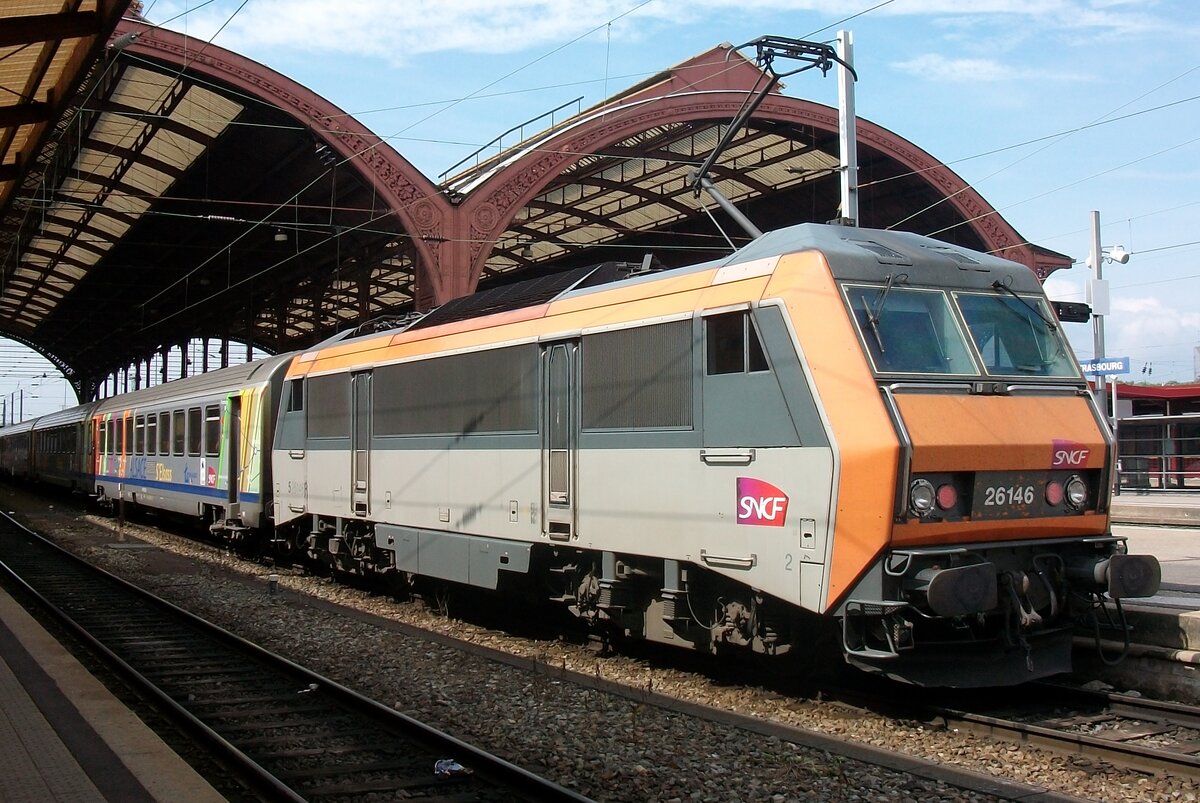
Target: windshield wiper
<point x="999" y="285"/>
<point x="876" y="310"/>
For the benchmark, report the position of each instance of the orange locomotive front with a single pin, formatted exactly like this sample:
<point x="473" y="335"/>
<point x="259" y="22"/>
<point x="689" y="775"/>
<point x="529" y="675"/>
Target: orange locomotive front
<point x="950" y="387"/>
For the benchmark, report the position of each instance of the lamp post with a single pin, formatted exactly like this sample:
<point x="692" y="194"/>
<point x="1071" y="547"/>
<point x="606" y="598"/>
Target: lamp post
<point x="1098" y="299"/>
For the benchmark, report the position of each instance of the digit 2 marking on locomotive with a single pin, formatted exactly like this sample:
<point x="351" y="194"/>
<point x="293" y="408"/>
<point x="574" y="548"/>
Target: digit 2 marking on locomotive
<point x="760" y="503"/>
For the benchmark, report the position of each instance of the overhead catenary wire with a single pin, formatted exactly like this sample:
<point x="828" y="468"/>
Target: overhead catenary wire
<point x="226" y="249"/>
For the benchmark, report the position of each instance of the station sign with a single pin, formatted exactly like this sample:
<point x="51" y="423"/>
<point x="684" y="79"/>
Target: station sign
<point x="1106" y="366"/>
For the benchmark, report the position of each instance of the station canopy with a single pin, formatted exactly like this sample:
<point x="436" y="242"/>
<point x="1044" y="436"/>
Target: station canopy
<point x="155" y="188"/>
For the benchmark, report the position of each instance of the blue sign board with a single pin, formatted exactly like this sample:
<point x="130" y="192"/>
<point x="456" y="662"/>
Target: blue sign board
<point x="1106" y="366"/>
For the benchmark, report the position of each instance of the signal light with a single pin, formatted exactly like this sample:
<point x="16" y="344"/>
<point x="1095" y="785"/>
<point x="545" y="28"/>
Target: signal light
<point x="1054" y="493"/>
<point x="1072" y="311"/>
<point x="947" y="496"/>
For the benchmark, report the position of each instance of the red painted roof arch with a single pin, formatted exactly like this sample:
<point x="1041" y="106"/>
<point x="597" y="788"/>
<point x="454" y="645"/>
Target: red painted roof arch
<point x="711" y="88"/>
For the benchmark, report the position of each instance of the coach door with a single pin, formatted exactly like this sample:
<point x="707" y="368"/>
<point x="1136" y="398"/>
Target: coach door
<point x="559" y="439"/>
<point x="360" y="434"/>
<point x="233" y="464"/>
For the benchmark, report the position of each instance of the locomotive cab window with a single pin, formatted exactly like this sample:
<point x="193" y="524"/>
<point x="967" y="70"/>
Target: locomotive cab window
<point x="733" y="345"/>
<point x="909" y="331"/>
<point x="1016" y="336"/>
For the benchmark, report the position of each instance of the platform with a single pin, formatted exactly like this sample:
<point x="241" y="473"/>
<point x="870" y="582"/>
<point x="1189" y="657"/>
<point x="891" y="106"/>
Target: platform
<point x="1165" y="656"/>
<point x="1157" y="508"/>
<point x="67" y="738"/>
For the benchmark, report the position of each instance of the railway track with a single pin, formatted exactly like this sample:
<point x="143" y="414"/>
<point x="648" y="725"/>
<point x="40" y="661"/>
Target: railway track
<point x="1133" y="732"/>
<point x="286" y="732"/>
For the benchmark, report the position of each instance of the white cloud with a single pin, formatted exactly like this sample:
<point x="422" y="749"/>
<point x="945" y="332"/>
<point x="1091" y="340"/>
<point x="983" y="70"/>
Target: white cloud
<point x="936" y="67"/>
<point x="397" y="32"/>
<point x="1148" y="320"/>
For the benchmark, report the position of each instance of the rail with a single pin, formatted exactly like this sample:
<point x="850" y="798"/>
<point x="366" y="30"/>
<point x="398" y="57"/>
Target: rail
<point x="285" y="732"/>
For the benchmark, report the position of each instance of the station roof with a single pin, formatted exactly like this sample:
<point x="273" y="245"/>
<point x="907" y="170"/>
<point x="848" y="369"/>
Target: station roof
<point x="185" y="191"/>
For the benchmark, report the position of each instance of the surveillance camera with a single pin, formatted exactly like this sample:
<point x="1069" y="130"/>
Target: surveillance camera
<point x="1119" y="254"/>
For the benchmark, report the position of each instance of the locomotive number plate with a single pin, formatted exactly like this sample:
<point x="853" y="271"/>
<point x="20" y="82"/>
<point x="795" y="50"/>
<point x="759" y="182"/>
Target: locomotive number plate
<point x="1008" y="495"/>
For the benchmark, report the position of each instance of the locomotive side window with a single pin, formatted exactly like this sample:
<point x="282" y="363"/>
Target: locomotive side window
<point x="151" y="433"/>
<point x="193" y="432"/>
<point x="295" y="396"/>
<point x="179" y="433"/>
<point x="212" y="430"/>
<point x="733" y="345"/>
<point x="638" y="378"/>
<point x="909" y="331"/>
<point x="139" y="435"/>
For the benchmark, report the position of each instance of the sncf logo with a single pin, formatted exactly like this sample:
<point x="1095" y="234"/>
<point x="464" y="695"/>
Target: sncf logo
<point x="1068" y="454"/>
<point x="760" y="503"/>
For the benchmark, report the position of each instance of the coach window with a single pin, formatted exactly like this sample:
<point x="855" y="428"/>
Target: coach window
<point x="106" y="436"/>
<point x="733" y="345"/>
<point x="212" y="430"/>
<point x="151" y="433"/>
<point x="139" y="435"/>
<point x="119" y="440"/>
<point x="193" y="432"/>
<point x="164" y="433"/>
<point x="179" y="433"/>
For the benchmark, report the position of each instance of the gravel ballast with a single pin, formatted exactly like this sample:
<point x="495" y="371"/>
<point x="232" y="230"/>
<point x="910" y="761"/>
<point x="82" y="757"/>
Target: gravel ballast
<point x="607" y="746"/>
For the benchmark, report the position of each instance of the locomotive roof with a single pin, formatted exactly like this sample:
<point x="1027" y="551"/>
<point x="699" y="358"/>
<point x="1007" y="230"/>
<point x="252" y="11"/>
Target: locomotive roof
<point x="852" y="253"/>
<point x="874" y="255"/>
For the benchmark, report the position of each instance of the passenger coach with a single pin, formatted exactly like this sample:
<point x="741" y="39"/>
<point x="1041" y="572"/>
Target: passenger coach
<point x="198" y="446"/>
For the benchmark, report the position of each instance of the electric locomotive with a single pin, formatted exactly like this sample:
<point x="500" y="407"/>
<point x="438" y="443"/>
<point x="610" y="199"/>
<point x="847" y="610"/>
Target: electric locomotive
<point x="872" y="427"/>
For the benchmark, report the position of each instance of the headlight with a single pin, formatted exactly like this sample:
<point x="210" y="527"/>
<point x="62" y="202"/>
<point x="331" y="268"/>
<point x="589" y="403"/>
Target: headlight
<point x="921" y="497"/>
<point x="1077" y="492"/>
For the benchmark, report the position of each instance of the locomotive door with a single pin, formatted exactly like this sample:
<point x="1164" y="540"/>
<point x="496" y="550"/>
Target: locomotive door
<point x="360" y="433"/>
<point x="559" y="439"/>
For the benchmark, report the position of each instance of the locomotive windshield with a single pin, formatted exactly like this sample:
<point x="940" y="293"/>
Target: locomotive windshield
<point x="916" y="331"/>
<point x="910" y="331"/>
<point x="1016" y="335"/>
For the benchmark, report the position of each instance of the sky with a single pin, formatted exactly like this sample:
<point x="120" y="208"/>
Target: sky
<point x="1049" y="108"/>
